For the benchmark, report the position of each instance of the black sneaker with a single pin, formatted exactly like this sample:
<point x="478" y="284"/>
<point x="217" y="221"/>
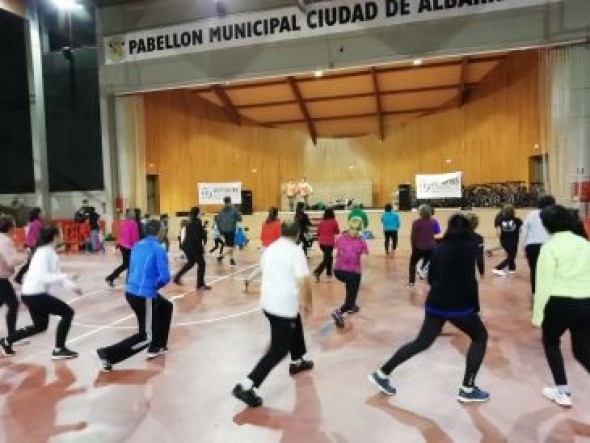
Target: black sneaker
<point x="338" y="318"/>
<point x="63" y="354"/>
<point x="248" y="396"/>
<point x="232" y="262"/>
<point x="110" y="282"/>
<point x="204" y="288"/>
<point x="219" y="259"/>
<point x="303" y="365"/>
<point x="6" y="348"/>
<point x="354" y="310"/>
<point x="104" y="364"/>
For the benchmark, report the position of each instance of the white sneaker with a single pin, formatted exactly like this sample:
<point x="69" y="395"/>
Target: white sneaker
<point x="512" y="272"/>
<point x="499" y="272"/>
<point x="561" y="398"/>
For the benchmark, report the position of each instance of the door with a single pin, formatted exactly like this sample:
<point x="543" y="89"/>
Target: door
<point x="153" y="195"/>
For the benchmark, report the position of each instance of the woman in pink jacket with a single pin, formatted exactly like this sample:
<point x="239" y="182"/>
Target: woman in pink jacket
<point x="33" y="229"/>
<point x="128" y="236"/>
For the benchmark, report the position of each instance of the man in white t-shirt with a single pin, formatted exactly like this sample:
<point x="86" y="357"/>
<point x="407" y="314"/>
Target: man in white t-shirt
<point x="304" y="189"/>
<point x="286" y="288"/>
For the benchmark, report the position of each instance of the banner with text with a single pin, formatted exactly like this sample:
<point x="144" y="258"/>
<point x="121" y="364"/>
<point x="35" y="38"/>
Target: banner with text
<point x="213" y="193"/>
<point x="439" y="185"/>
<point x="292" y="23"/>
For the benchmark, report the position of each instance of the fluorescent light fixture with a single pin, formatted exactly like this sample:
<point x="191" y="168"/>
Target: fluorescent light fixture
<point x="319" y="73"/>
<point x="66" y="5"/>
<point x="417" y="62"/>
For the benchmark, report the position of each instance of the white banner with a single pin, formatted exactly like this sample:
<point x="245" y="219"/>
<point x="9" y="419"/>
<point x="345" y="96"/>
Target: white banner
<point x="439" y="186"/>
<point x="213" y="193"/>
<point x="291" y="23"/>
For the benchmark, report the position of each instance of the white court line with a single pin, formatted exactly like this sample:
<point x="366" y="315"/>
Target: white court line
<point x="127" y="317"/>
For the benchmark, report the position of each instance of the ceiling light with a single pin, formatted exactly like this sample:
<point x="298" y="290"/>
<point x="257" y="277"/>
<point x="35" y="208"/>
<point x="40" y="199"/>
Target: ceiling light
<point x="66" y="5"/>
<point x="417" y="62"/>
<point x="319" y="73"/>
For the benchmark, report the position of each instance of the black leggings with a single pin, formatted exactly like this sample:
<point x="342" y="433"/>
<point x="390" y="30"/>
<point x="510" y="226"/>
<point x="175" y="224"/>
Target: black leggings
<point x="8" y="297"/>
<point x="418" y="254"/>
<point x="352" y="280"/>
<point x="286" y="336"/>
<point x="532" y="256"/>
<point x="126" y="254"/>
<point x="40" y="307"/>
<point x="470" y="325"/>
<point x="219" y="243"/>
<point x="326" y="261"/>
<point x="390" y="236"/>
<point x="193" y="258"/>
<point x="562" y="314"/>
<point x="511" y="248"/>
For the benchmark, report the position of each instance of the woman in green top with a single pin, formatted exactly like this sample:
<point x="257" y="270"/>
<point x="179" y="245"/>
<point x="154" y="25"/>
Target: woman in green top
<point x="357" y="211"/>
<point x="562" y="298"/>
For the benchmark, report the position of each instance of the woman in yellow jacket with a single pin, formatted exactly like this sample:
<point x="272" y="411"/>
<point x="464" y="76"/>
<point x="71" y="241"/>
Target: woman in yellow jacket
<point x="562" y="298"/>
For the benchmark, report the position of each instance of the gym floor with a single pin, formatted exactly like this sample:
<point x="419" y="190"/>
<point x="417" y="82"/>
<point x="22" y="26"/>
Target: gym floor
<point x="219" y="335"/>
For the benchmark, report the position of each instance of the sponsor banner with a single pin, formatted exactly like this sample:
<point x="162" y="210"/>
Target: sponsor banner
<point x="290" y="23"/>
<point x="439" y="186"/>
<point x="213" y="193"/>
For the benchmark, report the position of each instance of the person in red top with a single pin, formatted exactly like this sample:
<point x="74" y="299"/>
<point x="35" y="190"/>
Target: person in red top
<point x="128" y="236"/>
<point x="33" y="229"/>
<point x="327" y="231"/>
<point x="269" y="232"/>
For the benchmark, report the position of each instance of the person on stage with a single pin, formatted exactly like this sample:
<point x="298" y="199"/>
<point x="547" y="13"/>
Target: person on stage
<point x="304" y="190"/>
<point x="291" y="193"/>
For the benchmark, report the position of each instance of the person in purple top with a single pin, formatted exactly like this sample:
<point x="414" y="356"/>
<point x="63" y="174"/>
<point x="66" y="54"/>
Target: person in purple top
<point x="350" y="246"/>
<point x="33" y="230"/>
<point x="422" y="239"/>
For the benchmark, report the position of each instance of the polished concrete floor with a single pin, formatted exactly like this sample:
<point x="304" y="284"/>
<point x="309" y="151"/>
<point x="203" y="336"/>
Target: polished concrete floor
<point x="219" y="335"/>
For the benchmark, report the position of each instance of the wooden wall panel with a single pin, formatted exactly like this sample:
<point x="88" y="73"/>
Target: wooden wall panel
<point x="489" y="138"/>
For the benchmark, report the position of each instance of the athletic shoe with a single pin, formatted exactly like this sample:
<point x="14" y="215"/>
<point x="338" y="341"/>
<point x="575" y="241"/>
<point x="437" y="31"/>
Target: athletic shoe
<point x="338" y="318"/>
<point x="63" y="354"/>
<point x="476" y="395"/>
<point x="317" y="276"/>
<point x="219" y="259"/>
<point x="232" y="262"/>
<point x="6" y="348"/>
<point x="561" y="398"/>
<point x="512" y="272"/>
<point x="110" y="282"/>
<point x="154" y="352"/>
<point x="248" y="396"/>
<point x="204" y="288"/>
<point x="303" y="365"/>
<point x="499" y="272"/>
<point x="103" y="362"/>
<point x="382" y="383"/>
<point x="354" y="310"/>
<point x="421" y="274"/>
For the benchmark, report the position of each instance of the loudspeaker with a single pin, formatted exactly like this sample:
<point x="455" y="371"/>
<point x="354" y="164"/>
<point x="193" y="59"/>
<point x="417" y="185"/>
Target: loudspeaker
<point x="404" y="197"/>
<point x="246" y="207"/>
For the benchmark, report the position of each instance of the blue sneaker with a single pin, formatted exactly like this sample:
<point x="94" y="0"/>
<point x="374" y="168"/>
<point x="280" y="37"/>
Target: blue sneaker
<point x="382" y="383"/>
<point x="475" y="395"/>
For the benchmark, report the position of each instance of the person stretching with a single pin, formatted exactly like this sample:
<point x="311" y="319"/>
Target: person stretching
<point x="453" y="297"/>
<point x="350" y="248"/>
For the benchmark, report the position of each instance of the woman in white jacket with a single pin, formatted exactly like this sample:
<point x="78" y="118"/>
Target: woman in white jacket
<point x="44" y="274"/>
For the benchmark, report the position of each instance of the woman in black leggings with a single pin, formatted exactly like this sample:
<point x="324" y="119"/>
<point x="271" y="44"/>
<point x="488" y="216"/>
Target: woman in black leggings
<point x="453" y="297"/>
<point x="43" y="274"/>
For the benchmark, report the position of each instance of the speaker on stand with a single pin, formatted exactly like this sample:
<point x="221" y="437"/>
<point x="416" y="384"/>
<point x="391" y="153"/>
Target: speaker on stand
<point x="246" y="206"/>
<point x="404" y="197"/>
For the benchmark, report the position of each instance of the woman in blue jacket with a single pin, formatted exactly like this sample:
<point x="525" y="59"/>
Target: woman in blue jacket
<point x="390" y="222"/>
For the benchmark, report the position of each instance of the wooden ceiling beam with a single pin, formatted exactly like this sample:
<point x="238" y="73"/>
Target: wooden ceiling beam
<point x="228" y="107"/>
<point x="461" y="90"/>
<point x="380" y="70"/>
<point x="378" y="106"/>
<point x="352" y="96"/>
<point x="302" y="106"/>
<point x="351" y="116"/>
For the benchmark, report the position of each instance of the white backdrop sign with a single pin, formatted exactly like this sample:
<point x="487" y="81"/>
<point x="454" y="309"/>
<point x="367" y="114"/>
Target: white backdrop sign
<point x="213" y="193"/>
<point x="439" y="185"/>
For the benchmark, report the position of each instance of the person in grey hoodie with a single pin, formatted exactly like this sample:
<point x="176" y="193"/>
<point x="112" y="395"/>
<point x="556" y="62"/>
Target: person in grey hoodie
<point x="227" y="220"/>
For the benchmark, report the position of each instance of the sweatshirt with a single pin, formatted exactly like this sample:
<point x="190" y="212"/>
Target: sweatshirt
<point x="270" y="232"/>
<point x="227" y="219"/>
<point x="44" y="273"/>
<point x="33" y="230"/>
<point x="422" y="236"/>
<point x="8" y="256"/>
<point x="327" y="231"/>
<point x="128" y="235"/>
<point x="390" y="221"/>
<point x="148" y="268"/>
